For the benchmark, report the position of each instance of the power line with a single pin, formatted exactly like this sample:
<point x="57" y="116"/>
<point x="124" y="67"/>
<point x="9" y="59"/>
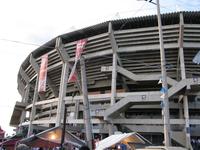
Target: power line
<point x="5" y="106"/>
<point x="19" y="42"/>
<point x="135" y="12"/>
<point x="25" y="43"/>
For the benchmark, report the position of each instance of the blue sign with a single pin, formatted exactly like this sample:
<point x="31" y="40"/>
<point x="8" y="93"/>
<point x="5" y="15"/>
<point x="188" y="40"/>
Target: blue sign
<point x="163" y="90"/>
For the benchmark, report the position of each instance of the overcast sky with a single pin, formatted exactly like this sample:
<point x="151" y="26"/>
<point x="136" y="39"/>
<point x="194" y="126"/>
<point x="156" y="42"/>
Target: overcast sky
<point x="38" y="21"/>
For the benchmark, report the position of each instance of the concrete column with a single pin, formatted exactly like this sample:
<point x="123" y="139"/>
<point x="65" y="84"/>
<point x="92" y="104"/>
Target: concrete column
<point x="87" y="117"/>
<point x="183" y="76"/>
<point x="62" y="93"/>
<point x="180" y="106"/>
<point x="114" y="73"/>
<point x="25" y="100"/>
<point x="63" y="81"/>
<point x="114" y="79"/>
<point x="33" y="110"/>
<point x="187" y="123"/>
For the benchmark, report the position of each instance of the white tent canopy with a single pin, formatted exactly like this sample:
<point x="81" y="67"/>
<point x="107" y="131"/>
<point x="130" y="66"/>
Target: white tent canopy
<point x="125" y="138"/>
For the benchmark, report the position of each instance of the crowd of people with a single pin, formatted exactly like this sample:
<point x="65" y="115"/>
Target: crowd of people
<point x="195" y="144"/>
<point x="25" y="147"/>
<point x="119" y="146"/>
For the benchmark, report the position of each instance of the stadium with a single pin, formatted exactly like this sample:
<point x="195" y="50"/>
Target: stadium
<point x="123" y="68"/>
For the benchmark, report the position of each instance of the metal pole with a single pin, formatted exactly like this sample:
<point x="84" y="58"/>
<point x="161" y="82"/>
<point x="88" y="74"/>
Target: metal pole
<point x="113" y="89"/>
<point x="114" y="79"/>
<point x="187" y="121"/>
<point x="183" y="76"/>
<point x="166" y="119"/>
<point x="88" y="126"/>
<point x="63" y="129"/>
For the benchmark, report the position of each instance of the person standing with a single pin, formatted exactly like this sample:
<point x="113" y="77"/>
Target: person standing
<point x="123" y="146"/>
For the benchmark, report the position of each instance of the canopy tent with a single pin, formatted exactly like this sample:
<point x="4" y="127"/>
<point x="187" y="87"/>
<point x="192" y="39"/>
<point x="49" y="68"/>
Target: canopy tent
<point x="10" y="143"/>
<point x="51" y="138"/>
<point x="126" y="138"/>
<point x="2" y="134"/>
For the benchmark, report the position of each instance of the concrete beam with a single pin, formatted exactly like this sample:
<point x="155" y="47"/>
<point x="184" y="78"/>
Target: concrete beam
<point x="140" y="77"/>
<point x="33" y="110"/>
<point x="128" y="101"/>
<point x="62" y="94"/>
<point x="147" y="30"/>
<point x="182" y="84"/>
<point x="60" y="50"/>
<point x="24" y="75"/>
<point x="147" y="121"/>
<point x="103" y="98"/>
<point x="65" y="58"/>
<point x="71" y="121"/>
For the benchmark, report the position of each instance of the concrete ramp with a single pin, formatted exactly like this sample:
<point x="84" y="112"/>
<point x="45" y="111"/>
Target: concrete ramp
<point x="128" y="101"/>
<point x="177" y="136"/>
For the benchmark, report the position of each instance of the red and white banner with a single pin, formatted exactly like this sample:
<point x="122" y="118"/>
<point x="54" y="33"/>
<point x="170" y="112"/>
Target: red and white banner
<point x="73" y="74"/>
<point x="80" y="45"/>
<point x="43" y="74"/>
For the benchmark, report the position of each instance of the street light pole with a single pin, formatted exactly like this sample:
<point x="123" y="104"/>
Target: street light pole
<point x="165" y="101"/>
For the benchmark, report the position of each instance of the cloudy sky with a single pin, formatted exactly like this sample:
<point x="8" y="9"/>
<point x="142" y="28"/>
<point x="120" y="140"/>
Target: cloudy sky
<point x="38" y="21"/>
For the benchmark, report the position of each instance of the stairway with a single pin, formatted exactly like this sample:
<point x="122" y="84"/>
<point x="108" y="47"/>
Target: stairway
<point x="177" y="136"/>
<point x="128" y="101"/>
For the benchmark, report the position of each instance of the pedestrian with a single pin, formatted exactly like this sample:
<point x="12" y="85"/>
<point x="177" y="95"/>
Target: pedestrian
<point x="123" y="146"/>
<point x="198" y="144"/>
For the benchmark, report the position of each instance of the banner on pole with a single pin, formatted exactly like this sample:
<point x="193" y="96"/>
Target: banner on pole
<point x="43" y="74"/>
<point x="73" y="74"/>
<point x="80" y="45"/>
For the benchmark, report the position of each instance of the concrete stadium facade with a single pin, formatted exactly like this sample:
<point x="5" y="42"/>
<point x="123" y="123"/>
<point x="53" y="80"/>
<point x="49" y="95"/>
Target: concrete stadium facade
<point x="122" y="60"/>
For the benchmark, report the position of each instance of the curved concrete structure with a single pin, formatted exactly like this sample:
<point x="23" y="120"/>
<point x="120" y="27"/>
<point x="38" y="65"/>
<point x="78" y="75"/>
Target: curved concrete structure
<point x="123" y="69"/>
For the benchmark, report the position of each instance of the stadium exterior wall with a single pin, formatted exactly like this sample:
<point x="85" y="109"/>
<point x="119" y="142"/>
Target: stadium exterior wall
<point x="136" y="103"/>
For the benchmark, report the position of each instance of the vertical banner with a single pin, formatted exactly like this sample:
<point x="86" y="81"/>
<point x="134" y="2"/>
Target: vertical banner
<point x="79" y="48"/>
<point x="80" y="45"/>
<point x="43" y="74"/>
<point x="73" y="75"/>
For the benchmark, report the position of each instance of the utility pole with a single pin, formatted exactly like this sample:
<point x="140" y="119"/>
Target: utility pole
<point x="165" y="100"/>
<point x="63" y="129"/>
<point x="166" y="114"/>
<point x="88" y="126"/>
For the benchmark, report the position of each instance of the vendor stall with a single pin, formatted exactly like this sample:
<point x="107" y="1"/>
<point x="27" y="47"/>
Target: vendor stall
<point x="128" y="140"/>
<point x="51" y="138"/>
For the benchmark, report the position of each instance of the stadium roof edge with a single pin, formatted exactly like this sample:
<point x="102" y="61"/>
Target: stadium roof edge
<point x="119" y="24"/>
